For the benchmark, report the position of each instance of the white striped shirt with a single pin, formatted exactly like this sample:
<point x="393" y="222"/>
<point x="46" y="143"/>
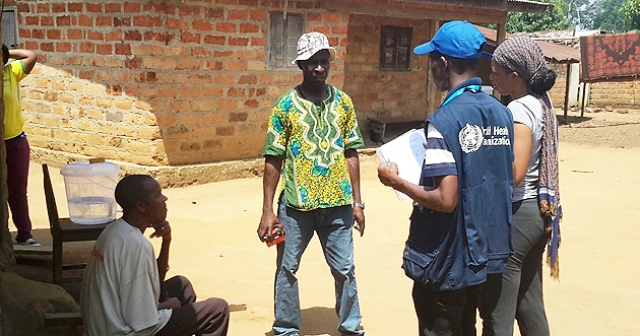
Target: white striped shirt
<point x="438" y="159"/>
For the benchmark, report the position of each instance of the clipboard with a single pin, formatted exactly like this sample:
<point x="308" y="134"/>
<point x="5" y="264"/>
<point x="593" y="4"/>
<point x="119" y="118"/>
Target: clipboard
<point x="407" y="151"/>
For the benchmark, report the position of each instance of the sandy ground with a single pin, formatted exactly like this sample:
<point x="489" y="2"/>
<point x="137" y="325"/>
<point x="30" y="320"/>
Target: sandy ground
<point x="215" y="244"/>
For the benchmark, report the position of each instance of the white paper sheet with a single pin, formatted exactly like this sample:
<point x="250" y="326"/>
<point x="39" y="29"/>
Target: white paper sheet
<point x="407" y="151"/>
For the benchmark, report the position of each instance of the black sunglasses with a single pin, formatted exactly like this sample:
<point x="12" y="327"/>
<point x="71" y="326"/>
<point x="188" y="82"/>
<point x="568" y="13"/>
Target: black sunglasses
<point x="324" y="62"/>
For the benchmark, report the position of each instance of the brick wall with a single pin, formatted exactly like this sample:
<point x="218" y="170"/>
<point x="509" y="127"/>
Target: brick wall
<point x="558" y="91"/>
<point x="384" y="93"/>
<point x="616" y="93"/>
<point x="150" y="83"/>
<point x="178" y="83"/>
<point x="623" y="93"/>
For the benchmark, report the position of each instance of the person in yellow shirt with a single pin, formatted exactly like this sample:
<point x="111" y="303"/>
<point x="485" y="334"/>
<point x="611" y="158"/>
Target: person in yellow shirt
<point x="16" y="141"/>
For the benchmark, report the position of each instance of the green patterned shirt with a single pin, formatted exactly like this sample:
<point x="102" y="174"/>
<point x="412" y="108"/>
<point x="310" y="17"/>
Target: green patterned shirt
<point x="312" y="139"/>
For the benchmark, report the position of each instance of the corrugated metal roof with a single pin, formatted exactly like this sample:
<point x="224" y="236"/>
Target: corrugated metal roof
<point x="532" y="2"/>
<point x="556" y="53"/>
<point x="527" y="6"/>
<point x="501" y="5"/>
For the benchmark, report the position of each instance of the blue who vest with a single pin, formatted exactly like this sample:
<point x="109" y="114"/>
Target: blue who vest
<point x="448" y="251"/>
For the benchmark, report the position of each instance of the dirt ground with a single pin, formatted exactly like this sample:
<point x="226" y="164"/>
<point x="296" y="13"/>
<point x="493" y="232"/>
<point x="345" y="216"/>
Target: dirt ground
<point x="216" y="246"/>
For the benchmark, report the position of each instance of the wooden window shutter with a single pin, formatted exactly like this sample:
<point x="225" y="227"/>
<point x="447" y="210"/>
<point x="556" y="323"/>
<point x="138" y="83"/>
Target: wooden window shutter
<point x="283" y="38"/>
<point x="388" y="47"/>
<point x="276" y="40"/>
<point x="10" y="27"/>
<point x="404" y="48"/>
<point x="395" y="48"/>
<point x="295" y="28"/>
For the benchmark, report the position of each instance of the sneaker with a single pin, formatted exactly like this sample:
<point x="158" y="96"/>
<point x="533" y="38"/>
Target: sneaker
<point x="30" y="242"/>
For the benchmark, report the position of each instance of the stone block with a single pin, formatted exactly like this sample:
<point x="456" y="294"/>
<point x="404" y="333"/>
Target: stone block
<point x="24" y="303"/>
<point x="115" y="116"/>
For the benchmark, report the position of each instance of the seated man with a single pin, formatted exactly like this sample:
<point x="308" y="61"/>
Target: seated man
<point x="124" y="291"/>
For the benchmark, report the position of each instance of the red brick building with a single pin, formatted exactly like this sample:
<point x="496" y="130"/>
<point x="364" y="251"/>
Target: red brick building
<point x="176" y="83"/>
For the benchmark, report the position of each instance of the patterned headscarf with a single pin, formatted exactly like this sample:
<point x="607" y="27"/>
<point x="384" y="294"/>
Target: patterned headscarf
<point x="523" y="56"/>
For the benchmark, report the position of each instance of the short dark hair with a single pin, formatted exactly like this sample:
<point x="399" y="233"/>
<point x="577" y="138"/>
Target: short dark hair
<point x="435" y="55"/>
<point x="131" y="189"/>
<point x="458" y="65"/>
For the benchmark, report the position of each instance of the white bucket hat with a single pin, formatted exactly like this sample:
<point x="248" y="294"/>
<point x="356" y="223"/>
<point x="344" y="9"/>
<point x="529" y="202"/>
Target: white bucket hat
<point x="310" y="43"/>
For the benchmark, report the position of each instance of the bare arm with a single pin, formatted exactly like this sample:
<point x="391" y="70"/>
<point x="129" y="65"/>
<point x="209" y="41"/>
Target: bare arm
<point x="163" y="258"/>
<point x="163" y="229"/>
<point x="444" y="198"/>
<point x="353" y="163"/>
<point x="272" y="170"/>
<point x="521" y="151"/>
<point x="28" y="58"/>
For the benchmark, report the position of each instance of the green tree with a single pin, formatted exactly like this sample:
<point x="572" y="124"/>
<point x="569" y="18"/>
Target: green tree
<point x="582" y="12"/>
<point x="607" y="16"/>
<point x="555" y="18"/>
<point x="631" y="14"/>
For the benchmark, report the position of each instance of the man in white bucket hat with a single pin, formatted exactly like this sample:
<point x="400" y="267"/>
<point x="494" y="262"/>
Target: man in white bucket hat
<point x="314" y="132"/>
<point x="310" y="43"/>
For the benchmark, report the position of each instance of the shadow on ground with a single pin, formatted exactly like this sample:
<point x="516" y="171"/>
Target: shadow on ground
<point x="317" y="321"/>
<point x="572" y="120"/>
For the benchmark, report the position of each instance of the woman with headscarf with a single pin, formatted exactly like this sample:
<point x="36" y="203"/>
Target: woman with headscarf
<point x="518" y="69"/>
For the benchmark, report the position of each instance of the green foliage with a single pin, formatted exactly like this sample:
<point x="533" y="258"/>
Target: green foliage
<point x="555" y="18"/>
<point x="631" y="14"/>
<point x="606" y="16"/>
<point x="582" y="12"/>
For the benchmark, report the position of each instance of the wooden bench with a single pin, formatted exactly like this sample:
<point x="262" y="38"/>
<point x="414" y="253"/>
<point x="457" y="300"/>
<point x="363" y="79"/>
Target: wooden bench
<point x="62" y="319"/>
<point x="63" y="323"/>
<point x="378" y="125"/>
<point x="31" y="255"/>
<point x="32" y="250"/>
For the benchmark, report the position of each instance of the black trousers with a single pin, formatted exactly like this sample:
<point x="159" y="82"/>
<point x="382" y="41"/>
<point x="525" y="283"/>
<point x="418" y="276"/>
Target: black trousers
<point x="208" y="317"/>
<point x="445" y="313"/>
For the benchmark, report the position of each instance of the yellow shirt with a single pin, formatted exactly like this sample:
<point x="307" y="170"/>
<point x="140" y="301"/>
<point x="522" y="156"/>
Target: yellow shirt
<point x="14" y="72"/>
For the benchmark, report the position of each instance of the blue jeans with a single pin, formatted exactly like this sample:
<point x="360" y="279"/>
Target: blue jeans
<point x="517" y="293"/>
<point x="334" y="228"/>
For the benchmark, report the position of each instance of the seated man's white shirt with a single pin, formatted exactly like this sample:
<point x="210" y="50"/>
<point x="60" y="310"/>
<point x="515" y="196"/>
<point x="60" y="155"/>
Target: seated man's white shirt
<point x="121" y="285"/>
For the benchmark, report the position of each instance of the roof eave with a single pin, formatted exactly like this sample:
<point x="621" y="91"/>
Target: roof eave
<point x="501" y="5"/>
<point x="527" y="6"/>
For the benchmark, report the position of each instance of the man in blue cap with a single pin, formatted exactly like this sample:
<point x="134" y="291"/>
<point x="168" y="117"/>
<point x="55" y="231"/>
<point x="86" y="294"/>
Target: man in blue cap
<point x="461" y="222"/>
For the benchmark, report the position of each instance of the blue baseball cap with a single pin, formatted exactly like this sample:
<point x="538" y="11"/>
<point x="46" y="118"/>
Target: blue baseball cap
<point x="459" y="39"/>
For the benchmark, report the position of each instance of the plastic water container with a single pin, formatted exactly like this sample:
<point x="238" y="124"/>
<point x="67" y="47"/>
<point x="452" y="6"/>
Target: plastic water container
<point x="90" y="187"/>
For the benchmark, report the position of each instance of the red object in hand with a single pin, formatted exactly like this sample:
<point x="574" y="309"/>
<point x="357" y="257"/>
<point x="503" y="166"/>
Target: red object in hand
<point x="278" y="237"/>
